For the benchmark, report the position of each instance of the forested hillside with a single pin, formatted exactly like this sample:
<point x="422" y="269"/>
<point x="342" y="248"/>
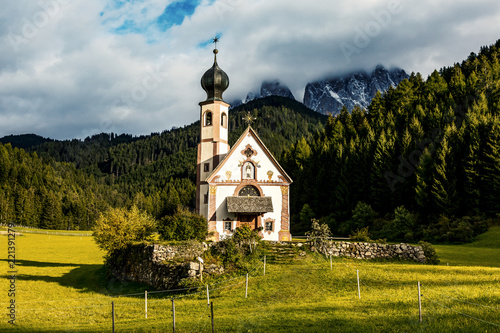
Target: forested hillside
<point x="156" y="172"/>
<point x="432" y="146"/>
<point x="422" y="162"/>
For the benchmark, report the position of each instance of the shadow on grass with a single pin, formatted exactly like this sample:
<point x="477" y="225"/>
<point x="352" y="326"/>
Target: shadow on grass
<point x="84" y="278"/>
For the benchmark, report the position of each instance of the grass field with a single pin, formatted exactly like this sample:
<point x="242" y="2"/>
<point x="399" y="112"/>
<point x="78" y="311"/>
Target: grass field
<point x="61" y="287"/>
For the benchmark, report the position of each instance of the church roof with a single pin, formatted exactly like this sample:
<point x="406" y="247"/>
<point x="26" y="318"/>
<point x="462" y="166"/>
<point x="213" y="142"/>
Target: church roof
<point x="249" y="204"/>
<point x="235" y="147"/>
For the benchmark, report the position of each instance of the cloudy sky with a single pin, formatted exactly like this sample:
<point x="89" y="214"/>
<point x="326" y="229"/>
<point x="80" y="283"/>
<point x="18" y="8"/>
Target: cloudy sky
<point x="73" y="68"/>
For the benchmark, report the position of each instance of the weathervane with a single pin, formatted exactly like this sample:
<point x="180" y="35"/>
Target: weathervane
<point x="215" y="40"/>
<point x="248" y="118"/>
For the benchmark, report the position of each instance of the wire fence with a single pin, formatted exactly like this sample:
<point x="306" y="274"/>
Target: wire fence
<point x="152" y="309"/>
<point x="431" y="295"/>
<point x="155" y="309"/>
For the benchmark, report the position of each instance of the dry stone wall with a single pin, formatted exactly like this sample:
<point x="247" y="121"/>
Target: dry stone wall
<point x="360" y="250"/>
<point x="160" y="266"/>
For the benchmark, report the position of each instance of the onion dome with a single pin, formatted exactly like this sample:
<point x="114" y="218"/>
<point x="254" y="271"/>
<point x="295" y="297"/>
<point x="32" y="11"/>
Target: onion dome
<point x="215" y="81"/>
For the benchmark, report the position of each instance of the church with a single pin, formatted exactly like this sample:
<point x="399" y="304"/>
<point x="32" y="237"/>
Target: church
<point x="239" y="185"/>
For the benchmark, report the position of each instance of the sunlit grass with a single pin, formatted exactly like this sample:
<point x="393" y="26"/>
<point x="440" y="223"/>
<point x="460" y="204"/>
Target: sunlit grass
<point x="485" y="251"/>
<point x="62" y="287"/>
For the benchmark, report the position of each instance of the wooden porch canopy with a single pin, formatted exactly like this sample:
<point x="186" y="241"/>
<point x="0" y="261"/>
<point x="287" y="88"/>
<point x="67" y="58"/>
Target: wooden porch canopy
<point x="249" y="205"/>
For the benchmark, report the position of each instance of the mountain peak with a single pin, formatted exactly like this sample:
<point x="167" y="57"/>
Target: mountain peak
<point x="270" y="88"/>
<point x="358" y="88"/>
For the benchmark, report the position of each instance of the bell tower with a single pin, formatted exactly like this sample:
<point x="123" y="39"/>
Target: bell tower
<point x="213" y="144"/>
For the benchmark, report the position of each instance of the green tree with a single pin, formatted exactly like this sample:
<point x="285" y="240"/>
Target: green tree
<point x="183" y="225"/>
<point x="119" y="227"/>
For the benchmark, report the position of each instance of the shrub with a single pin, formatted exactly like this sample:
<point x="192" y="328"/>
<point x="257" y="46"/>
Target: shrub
<point x="244" y="236"/>
<point x="319" y="233"/>
<point x="119" y="227"/>
<point x="451" y="230"/>
<point x="303" y="222"/>
<point x="360" y="235"/>
<point x="183" y="225"/>
<point x="431" y="256"/>
<point x="362" y="216"/>
<point x="401" y="228"/>
<point x="235" y="251"/>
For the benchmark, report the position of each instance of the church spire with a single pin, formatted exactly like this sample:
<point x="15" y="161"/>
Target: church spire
<point x="215" y="81"/>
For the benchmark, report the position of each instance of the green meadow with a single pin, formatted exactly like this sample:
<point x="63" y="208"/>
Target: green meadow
<point x="61" y="286"/>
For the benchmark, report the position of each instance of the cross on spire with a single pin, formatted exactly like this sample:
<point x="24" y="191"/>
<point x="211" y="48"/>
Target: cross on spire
<point x="215" y="40"/>
<point x="248" y="118"/>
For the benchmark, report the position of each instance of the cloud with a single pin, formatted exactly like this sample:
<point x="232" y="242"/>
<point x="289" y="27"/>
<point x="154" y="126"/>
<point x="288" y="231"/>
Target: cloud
<point x="75" y="68"/>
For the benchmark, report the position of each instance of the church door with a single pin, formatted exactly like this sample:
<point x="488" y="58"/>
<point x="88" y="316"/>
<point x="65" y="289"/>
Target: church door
<point x="249" y="220"/>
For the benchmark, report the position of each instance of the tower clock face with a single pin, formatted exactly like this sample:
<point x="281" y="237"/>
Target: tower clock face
<point x="249" y="191"/>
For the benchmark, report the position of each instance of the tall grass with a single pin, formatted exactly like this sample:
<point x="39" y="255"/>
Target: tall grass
<point x="62" y="287"/>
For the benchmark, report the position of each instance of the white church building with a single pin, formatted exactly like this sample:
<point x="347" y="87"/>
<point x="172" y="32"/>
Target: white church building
<point x="239" y="185"/>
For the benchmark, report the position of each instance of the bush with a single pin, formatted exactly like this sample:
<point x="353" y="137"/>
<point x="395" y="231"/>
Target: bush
<point x="362" y="216"/>
<point x="183" y="225"/>
<point x="431" y="256"/>
<point x="450" y="230"/>
<point x="119" y="227"/>
<point x="303" y="222"/>
<point x="244" y="236"/>
<point x="360" y="235"/>
<point x="401" y="228"/>
<point x="319" y="233"/>
<point x="235" y="251"/>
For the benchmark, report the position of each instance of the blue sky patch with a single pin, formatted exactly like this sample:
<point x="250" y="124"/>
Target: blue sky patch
<point x="175" y="13"/>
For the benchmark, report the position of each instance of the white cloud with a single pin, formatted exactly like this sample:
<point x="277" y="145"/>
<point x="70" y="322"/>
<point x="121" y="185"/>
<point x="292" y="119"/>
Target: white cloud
<point x="72" y="76"/>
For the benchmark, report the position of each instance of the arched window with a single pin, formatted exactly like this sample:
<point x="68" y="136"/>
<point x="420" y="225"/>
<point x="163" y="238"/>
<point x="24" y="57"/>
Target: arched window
<point x="208" y="118"/>
<point x="249" y="191"/>
<point x="248" y="171"/>
<point x="223" y="120"/>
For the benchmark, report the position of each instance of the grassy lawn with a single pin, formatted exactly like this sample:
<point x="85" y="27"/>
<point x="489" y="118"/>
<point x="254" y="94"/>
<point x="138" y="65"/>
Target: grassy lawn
<point x="485" y="251"/>
<point x="62" y="287"/>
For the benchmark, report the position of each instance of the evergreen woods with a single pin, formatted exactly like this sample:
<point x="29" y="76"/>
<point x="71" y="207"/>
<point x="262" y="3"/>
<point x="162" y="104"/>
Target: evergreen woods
<point x="424" y="158"/>
<point x="422" y="162"/>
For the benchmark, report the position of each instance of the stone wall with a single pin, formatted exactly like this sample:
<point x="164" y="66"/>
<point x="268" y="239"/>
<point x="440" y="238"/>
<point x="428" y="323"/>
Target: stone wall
<point x="160" y="266"/>
<point x="372" y="250"/>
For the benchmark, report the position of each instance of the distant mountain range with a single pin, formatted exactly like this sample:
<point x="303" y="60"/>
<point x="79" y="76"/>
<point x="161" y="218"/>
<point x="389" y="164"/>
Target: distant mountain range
<point x="329" y="95"/>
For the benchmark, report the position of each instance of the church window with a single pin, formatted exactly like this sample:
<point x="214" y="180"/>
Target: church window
<point x="249" y="191"/>
<point x="248" y="171"/>
<point x="228" y="225"/>
<point x="205" y="198"/>
<point x="223" y="120"/>
<point x="206" y="167"/>
<point x="208" y="119"/>
<point x="269" y="226"/>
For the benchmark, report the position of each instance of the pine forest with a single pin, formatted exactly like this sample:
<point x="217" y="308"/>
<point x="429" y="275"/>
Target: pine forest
<point x="422" y="162"/>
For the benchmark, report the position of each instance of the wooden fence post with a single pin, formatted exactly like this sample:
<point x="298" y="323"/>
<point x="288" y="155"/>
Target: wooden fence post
<point x="113" y="315"/>
<point x="212" y="316"/>
<point x="208" y="297"/>
<point x="173" y="313"/>
<point x="419" y="302"/>
<point x="146" y="303"/>
<point x="359" y="289"/>
<point x="246" y="287"/>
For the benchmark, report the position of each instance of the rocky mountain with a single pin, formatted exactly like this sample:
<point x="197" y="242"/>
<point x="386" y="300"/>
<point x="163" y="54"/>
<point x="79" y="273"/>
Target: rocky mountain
<point x="268" y="88"/>
<point x="328" y="96"/>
